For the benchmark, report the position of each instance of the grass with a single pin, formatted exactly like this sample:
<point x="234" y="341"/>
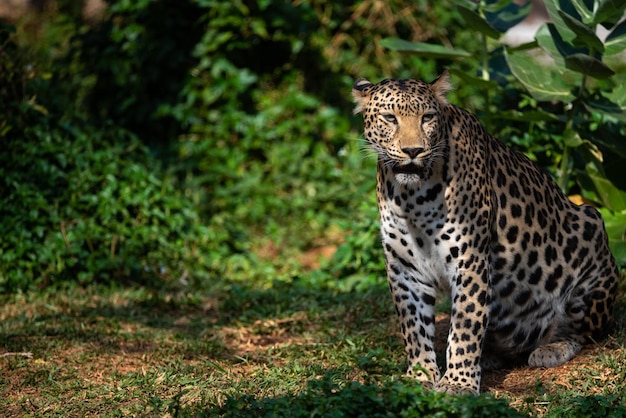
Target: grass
<point x="235" y="349"/>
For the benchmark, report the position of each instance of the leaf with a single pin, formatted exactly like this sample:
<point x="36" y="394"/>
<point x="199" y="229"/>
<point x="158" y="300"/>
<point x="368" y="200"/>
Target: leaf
<point x="496" y="6"/>
<point x="504" y="18"/>
<point x="528" y="116"/>
<point x="601" y="104"/>
<point x="544" y="85"/>
<point x="583" y="11"/>
<point x="583" y="33"/>
<point x="615" y="225"/>
<point x="553" y="8"/>
<point x="588" y="65"/>
<point x="477" y="22"/>
<point x="423" y="49"/>
<point x="474" y="80"/>
<point x="616" y="40"/>
<point x="524" y="46"/>
<point x="611" y="197"/>
<point x="572" y="139"/>
<point x="550" y="40"/>
<point x="609" y="12"/>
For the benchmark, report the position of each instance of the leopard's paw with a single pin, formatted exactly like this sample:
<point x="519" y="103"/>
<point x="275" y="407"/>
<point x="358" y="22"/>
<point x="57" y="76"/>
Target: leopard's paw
<point x="453" y="388"/>
<point x="553" y="354"/>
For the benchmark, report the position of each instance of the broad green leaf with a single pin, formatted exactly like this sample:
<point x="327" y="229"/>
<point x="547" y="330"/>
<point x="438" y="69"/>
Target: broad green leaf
<point x="601" y="104"/>
<point x="583" y="11"/>
<point x="553" y="7"/>
<point x="474" y="80"/>
<point x="585" y="34"/>
<point x="609" y="12"/>
<point x="616" y="40"/>
<point x="529" y="116"/>
<point x="618" y="95"/>
<point x="550" y="40"/>
<point x="478" y="23"/>
<point x="612" y="197"/>
<point x="542" y="82"/>
<point x="423" y="49"/>
<point x="615" y="225"/>
<point x="506" y="17"/>
<point x="523" y="47"/>
<point x="497" y="6"/>
<point x="589" y="66"/>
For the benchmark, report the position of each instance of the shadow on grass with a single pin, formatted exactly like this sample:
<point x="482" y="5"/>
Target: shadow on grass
<point x="114" y="318"/>
<point x="136" y="319"/>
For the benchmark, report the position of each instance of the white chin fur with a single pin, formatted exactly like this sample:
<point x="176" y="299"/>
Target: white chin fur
<point x="404" y="178"/>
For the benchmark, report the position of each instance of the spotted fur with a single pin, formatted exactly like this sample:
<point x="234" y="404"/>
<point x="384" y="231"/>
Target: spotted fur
<point x="529" y="272"/>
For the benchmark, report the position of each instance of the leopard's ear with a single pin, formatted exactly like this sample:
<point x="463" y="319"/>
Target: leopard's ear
<point x="360" y="94"/>
<point x="441" y="86"/>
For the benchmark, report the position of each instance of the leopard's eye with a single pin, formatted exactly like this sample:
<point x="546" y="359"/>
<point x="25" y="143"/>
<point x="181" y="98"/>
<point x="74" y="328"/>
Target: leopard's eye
<point x="428" y="117"/>
<point x="390" y="118"/>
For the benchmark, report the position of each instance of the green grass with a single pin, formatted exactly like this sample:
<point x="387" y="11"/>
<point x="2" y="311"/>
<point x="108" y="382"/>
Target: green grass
<point x="149" y="350"/>
<point x="237" y="349"/>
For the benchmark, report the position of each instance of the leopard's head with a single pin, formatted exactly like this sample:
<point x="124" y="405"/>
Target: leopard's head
<point x="404" y="122"/>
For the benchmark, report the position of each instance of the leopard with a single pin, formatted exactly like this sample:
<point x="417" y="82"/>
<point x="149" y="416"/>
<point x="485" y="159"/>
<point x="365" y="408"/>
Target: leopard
<point x="529" y="274"/>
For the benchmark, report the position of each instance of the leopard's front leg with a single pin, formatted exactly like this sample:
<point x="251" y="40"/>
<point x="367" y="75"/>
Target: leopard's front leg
<point x="415" y="306"/>
<point x="413" y="288"/>
<point x="468" y="323"/>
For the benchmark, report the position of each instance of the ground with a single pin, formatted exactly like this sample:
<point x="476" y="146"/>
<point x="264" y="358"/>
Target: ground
<point x="137" y="351"/>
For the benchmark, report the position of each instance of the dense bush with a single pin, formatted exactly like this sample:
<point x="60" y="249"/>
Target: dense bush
<point x="79" y="203"/>
<point x="258" y="133"/>
<point x="83" y="205"/>
<point x="243" y="114"/>
<point x="179" y="138"/>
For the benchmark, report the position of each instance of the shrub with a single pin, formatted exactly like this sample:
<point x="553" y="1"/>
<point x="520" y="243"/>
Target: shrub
<point x="375" y="399"/>
<point x="81" y="204"/>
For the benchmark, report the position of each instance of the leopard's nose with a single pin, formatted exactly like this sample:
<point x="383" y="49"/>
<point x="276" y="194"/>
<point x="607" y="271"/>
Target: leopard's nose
<point x="412" y="151"/>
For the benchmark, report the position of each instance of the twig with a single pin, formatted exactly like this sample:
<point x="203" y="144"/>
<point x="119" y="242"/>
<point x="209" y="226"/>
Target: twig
<point x="23" y="354"/>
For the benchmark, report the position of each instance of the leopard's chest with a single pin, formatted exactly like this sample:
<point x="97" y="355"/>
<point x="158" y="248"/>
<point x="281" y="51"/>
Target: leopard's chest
<point x="418" y="232"/>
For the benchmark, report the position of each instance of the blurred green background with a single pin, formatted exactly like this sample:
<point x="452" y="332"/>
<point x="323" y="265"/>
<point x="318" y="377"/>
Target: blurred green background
<point x="178" y="143"/>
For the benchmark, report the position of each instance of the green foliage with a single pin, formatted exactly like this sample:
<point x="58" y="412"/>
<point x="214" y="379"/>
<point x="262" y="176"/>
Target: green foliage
<point x="591" y="407"/>
<point x="572" y="121"/>
<point x="248" y="109"/>
<point x="358" y="263"/>
<point x="83" y="206"/>
<point x="243" y="110"/>
<point x="398" y="398"/>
